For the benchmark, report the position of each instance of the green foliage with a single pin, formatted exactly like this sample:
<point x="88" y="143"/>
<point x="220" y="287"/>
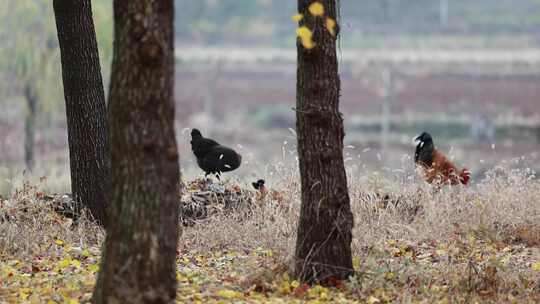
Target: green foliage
<point x="28" y="40"/>
<point x="103" y="21"/>
<point x="30" y="56"/>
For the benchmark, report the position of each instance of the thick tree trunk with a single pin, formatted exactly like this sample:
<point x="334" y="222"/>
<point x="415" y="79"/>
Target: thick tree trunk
<point x="140" y="249"/>
<point x="323" y="246"/>
<point x="30" y="127"/>
<point x="85" y="106"/>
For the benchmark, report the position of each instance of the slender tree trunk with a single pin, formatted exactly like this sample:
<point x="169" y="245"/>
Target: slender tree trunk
<point x="140" y="249"/>
<point x="85" y="106"/>
<point x="30" y="127"/>
<point x="323" y="245"/>
<point x="388" y="99"/>
<point x="443" y="13"/>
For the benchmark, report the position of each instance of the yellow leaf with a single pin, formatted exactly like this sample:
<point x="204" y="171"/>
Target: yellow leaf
<point x="285" y="288"/>
<point x="304" y="32"/>
<point x="297" y="17"/>
<point x="230" y="294"/>
<point x="440" y="251"/>
<point x="64" y="263"/>
<point x="76" y="263"/>
<point x="295" y="284"/>
<point x="356" y="262"/>
<point x="93" y="268"/>
<point x="324" y="295"/>
<point x="331" y="26"/>
<point x="85" y="253"/>
<point x="389" y="275"/>
<point x="59" y="242"/>
<point x="305" y="35"/>
<point x="308" y="44"/>
<point x="536" y="266"/>
<point x="24" y="293"/>
<point x="181" y="277"/>
<point x="316" y="9"/>
<point x="373" y="300"/>
<point x="73" y="301"/>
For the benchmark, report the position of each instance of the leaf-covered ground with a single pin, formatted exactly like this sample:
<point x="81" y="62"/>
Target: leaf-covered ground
<point x="462" y="269"/>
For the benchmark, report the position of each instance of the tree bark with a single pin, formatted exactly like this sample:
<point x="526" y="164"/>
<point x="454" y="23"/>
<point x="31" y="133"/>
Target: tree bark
<point x="323" y="245"/>
<point x="138" y="264"/>
<point x="85" y="106"/>
<point x="30" y="127"/>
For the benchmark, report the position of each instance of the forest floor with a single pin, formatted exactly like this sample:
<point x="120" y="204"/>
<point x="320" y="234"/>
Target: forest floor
<point x="459" y="245"/>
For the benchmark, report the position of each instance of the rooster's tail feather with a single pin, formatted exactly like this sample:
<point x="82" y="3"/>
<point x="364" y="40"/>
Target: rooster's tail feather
<point x="465" y="176"/>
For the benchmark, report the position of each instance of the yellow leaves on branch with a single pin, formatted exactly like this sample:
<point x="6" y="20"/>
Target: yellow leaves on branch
<point x="297" y="17"/>
<point x="306" y="37"/>
<point x="316" y="9"/>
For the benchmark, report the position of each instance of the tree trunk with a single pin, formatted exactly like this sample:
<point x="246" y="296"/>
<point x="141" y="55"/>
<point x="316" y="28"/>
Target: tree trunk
<point x="323" y="245"/>
<point x="85" y="106"/>
<point x="388" y="99"/>
<point x="443" y="13"/>
<point x="30" y="126"/>
<point x="140" y="249"/>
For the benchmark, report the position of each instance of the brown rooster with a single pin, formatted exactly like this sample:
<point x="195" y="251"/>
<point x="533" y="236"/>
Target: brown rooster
<point x="437" y="168"/>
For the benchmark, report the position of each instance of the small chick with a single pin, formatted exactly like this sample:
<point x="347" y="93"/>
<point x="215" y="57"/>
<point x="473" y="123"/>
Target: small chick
<point x="263" y="192"/>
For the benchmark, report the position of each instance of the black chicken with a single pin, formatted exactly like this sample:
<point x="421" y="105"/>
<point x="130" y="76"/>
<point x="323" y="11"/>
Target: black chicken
<point x="212" y="157"/>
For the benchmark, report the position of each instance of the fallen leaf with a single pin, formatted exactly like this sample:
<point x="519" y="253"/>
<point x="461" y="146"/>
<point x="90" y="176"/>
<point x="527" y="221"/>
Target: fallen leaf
<point x="230" y="294"/>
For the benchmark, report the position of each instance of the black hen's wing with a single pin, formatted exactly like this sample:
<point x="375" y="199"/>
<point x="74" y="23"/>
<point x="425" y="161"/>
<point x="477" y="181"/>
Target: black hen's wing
<point x="202" y="146"/>
<point x="220" y="159"/>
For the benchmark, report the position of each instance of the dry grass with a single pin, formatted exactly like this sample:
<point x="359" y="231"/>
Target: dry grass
<point x="476" y="242"/>
<point x="29" y="226"/>
<point x="505" y="199"/>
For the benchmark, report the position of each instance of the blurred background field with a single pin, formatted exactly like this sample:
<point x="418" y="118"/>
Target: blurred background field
<point x="466" y="71"/>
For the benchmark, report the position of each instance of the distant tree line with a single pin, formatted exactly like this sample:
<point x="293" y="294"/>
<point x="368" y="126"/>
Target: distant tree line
<point x="216" y="22"/>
